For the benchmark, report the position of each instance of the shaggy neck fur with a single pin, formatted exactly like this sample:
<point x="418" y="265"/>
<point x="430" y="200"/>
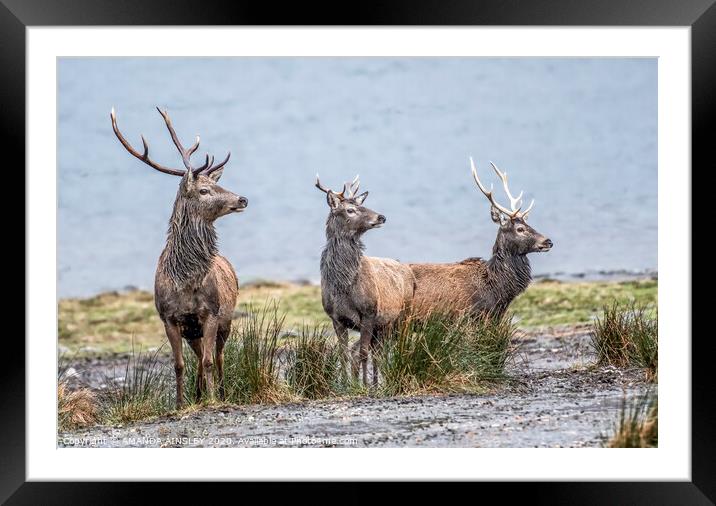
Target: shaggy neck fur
<point x="191" y="245"/>
<point x="509" y="272"/>
<point x="340" y="260"/>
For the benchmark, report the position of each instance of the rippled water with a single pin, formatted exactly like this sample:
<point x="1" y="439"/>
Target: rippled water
<point x="579" y="135"/>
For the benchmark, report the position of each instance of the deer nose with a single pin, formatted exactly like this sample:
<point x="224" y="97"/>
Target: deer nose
<point x="380" y="218"/>
<point x="548" y="243"/>
<point x="243" y="202"/>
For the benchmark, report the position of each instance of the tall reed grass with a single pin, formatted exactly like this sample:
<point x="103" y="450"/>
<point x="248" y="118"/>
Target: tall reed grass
<point x="627" y="334"/>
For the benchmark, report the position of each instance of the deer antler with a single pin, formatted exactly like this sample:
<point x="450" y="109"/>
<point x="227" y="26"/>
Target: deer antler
<point x="513" y="200"/>
<point x="515" y="210"/>
<point x="145" y="156"/>
<point x="351" y="187"/>
<point x="206" y="169"/>
<point x="186" y="153"/>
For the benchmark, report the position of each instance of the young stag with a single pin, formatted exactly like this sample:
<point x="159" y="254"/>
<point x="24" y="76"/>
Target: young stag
<point x="361" y="293"/>
<point x="195" y="288"/>
<point x="484" y="286"/>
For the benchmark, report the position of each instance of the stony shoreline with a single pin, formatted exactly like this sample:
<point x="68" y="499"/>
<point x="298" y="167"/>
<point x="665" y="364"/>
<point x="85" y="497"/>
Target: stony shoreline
<point x="555" y="397"/>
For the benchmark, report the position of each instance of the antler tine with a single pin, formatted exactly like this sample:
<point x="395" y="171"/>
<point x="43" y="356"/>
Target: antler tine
<point x="487" y="193"/>
<point x="341" y="195"/>
<point x="206" y="164"/>
<point x="217" y="167"/>
<point x="513" y="200"/>
<point x="354" y="186"/>
<point x="320" y="186"/>
<point x="526" y="212"/>
<point x="185" y="153"/>
<point x="195" y="146"/>
<point x="144" y="157"/>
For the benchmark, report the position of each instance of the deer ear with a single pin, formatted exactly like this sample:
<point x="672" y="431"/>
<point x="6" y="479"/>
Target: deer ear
<point x="361" y="198"/>
<point x="216" y="175"/>
<point x="332" y="199"/>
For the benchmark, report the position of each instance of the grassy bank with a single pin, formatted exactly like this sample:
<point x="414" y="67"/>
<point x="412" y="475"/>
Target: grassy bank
<point x="107" y="322"/>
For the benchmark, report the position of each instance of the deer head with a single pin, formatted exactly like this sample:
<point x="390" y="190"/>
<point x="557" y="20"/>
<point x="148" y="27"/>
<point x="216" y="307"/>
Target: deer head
<point x="198" y="190"/>
<point x="515" y="236"/>
<point x="348" y="215"/>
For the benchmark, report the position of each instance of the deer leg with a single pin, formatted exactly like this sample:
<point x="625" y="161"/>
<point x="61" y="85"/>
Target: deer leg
<point x="342" y="334"/>
<point x="221" y="337"/>
<point x="375" y="350"/>
<point x="175" y="340"/>
<point x="196" y="346"/>
<point x="366" y="336"/>
<point x="209" y="338"/>
<point x="355" y="352"/>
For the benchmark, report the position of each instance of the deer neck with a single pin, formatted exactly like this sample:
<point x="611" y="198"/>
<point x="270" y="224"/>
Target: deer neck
<point x="191" y="246"/>
<point x="340" y="260"/>
<point x="509" y="274"/>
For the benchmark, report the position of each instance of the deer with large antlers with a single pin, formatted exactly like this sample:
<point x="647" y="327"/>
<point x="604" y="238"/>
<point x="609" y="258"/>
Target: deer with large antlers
<point x="195" y="288"/>
<point x="484" y="286"/>
<point x="366" y="294"/>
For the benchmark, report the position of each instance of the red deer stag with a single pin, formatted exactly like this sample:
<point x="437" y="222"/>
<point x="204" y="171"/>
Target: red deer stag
<point x="484" y="286"/>
<point x="195" y="288"/>
<point x="361" y="293"/>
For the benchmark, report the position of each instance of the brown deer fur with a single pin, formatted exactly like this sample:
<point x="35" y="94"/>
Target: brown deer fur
<point x="195" y="288"/>
<point x="361" y="293"/>
<point x="483" y="286"/>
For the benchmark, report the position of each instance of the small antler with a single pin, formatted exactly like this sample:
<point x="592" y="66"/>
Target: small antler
<point x="351" y="188"/>
<point x="515" y="211"/>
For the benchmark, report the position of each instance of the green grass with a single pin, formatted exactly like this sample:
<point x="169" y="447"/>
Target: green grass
<point x="313" y="365"/>
<point x="549" y="303"/>
<point x="637" y="426"/>
<point x="103" y="324"/>
<point x="443" y="353"/>
<point x="251" y="365"/>
<point x="627" y="334"/>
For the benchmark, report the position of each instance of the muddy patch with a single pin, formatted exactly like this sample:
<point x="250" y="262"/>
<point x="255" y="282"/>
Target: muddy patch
<point x="556" y="397"/>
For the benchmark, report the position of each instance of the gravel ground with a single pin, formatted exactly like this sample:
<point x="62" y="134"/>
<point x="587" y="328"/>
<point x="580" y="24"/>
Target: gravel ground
<point x="556" y="398"/>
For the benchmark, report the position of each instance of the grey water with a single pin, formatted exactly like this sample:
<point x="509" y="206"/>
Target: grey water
<point x="577" y="135"/>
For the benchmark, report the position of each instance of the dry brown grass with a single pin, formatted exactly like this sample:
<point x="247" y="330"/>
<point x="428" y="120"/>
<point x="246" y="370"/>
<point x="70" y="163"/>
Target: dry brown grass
<point x="638" y="425"/>
<point x="75" y="408"/>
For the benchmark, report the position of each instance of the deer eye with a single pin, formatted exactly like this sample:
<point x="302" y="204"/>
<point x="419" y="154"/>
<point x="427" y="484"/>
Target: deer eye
<point x="350" y="211"/>
<point x="520" y="229"/>
<point x="204" y="191"/>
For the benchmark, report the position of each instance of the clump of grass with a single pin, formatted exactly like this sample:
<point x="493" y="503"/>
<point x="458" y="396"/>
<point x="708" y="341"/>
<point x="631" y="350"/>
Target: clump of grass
<point x="417" y="354"/>
<point x="638" y="425"/>
<point x="144" y="393"/>
<point x="251" y="365"/>
<point x="313" y="366"/>
<point x="251" y="358"/>
<point x="487" y="344"/>
<point x="627" y="334"/>
<point x="75" y="408"/>
<point x="443" y="352"/>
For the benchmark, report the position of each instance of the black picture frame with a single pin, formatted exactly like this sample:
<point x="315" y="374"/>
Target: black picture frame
<point x="700" y="15"/>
